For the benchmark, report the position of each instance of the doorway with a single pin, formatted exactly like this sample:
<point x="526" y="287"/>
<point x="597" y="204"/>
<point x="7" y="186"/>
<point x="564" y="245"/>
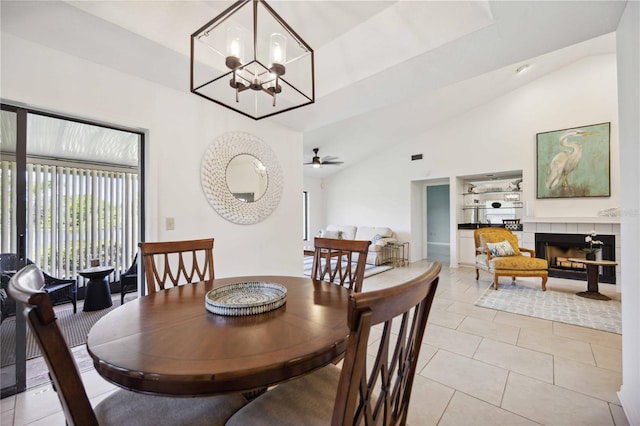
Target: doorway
<point x="71" y="194"/>
<point x="438" y="217"/>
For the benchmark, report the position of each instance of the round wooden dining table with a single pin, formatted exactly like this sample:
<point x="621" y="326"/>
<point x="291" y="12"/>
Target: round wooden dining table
<point x="168" y="343"/>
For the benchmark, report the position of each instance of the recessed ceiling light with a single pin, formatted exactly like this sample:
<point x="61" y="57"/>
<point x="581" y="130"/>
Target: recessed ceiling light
<point x="522" y="68"/>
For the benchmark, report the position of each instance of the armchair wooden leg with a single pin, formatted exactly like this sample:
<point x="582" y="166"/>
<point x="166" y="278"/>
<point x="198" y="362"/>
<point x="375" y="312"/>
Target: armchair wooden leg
<point x="513" y="280"/>
<point x="477" y="274"/>
<point x="495" y="282"/>
<point x="544" y="283"/>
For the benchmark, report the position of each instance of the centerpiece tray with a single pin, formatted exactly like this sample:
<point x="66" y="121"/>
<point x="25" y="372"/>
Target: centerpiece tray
<point x="246" y="298"/>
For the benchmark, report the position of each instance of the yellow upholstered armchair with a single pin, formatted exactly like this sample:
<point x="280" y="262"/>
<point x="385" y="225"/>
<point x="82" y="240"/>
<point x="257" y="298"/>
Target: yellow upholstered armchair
<point x="498" y="253"/>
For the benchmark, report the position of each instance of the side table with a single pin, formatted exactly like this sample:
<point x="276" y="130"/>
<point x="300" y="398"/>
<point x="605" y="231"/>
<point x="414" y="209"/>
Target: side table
<point x="98" y="293"/>
<point x="592" y="277"/>
<point x="397" y="252"/>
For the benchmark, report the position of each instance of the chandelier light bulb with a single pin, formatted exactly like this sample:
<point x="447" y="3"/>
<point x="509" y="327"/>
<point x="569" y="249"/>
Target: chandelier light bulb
<point x="278" y="49"/>
<point x="235" y="43"/>
<point x="235" y="48"/>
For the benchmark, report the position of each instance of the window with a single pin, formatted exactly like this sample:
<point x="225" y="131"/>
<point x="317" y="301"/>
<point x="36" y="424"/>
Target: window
<point x="305" y="215"/>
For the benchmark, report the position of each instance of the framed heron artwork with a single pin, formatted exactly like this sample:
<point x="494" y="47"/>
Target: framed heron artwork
<point x="574" y="162"/>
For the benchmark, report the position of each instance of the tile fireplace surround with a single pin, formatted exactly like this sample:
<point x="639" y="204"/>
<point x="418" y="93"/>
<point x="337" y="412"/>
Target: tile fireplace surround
<point x="572" y="225"/>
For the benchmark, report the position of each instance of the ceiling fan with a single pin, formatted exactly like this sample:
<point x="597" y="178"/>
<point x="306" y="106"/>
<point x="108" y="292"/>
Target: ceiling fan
<point x="316" y="162"/>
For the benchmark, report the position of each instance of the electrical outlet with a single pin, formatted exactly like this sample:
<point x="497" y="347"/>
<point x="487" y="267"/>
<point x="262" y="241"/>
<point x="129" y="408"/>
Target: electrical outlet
<point x="171" y="224"/>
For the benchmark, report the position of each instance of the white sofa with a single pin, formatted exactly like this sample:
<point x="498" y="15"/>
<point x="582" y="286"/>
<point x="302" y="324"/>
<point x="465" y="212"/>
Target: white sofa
<point x="379" y="237"/>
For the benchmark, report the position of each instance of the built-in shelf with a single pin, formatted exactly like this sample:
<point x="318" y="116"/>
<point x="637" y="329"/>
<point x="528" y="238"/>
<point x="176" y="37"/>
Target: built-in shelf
<point x="479" y="192"/>
<point x="492" y="192"/>
<point x="511" y="205"/>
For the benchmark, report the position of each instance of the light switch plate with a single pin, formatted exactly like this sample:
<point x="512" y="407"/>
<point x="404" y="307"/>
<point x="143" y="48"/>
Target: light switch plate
<point x="170" y="224"/>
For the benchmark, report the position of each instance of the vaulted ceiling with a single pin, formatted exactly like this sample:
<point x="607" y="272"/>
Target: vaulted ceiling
<point x="385" y="70"/>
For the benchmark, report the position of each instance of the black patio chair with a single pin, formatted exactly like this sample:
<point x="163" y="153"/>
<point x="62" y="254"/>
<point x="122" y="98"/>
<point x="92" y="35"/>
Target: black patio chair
<point x="8" y="265"/>
<point x="129" y="279"/>
<point x="60" y="290"/>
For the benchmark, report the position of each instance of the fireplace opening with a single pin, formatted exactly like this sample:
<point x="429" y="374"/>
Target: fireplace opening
<point x="557" y="249"/>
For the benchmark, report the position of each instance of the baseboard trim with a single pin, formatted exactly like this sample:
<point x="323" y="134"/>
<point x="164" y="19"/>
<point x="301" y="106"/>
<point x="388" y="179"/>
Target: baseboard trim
<point x="630" y="406"/>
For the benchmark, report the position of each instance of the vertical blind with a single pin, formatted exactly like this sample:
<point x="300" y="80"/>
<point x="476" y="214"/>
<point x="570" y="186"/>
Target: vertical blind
<point x="74" y="215"/>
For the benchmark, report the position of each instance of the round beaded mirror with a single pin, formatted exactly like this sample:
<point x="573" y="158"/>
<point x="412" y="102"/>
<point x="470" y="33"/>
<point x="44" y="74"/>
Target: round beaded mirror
<point x="241" y="178"/>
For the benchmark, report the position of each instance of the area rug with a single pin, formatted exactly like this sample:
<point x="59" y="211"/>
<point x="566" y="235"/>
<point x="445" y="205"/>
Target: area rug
<point x="555" y="306"/>
<point x="368" y="269"/>
<point x="75" y="328"/>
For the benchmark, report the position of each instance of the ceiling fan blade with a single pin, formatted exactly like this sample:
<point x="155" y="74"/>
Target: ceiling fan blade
<point x="329" y="158"/>
<point x="332" y="163"/>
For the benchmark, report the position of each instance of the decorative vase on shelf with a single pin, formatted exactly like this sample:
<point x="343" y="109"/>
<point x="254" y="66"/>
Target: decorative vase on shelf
<point x="591" y="256"/>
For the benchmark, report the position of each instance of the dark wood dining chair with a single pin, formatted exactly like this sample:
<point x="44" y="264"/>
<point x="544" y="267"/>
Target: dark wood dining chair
<point x="367" y="390"/>
<point x="334" y="261"/>
<point x="171" y="263"/>
<point x="121" y="407"/>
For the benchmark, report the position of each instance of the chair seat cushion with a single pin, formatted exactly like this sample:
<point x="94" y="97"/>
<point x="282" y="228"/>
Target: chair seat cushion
<point x="124" y="407"/>
<point x="522" y="263"/>
<point x="308" y="400"/>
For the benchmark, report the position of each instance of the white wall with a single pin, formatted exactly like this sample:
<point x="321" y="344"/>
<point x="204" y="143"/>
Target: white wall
<point x="179" y="127"/>
<point x="498" y="136"/>
<point x="628" y="40"/>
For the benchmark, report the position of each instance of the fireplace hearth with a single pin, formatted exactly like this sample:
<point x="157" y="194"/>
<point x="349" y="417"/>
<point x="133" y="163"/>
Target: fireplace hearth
<point x="558" y="248"/>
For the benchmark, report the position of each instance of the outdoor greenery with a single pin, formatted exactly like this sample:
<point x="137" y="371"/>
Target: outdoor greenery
<point x="74" y="215"/>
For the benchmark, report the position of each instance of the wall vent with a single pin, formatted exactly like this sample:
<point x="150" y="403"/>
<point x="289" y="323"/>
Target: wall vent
<point x="416" y="157"/>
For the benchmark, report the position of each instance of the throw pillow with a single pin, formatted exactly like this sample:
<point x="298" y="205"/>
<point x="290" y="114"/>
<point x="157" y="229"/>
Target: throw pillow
<point x="376" y="238"/>
<point x="501" y="249"/>
<point x="498" y="237"/>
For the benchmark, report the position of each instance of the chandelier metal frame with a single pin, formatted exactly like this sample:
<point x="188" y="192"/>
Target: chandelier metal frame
<point x="253" y="73"/>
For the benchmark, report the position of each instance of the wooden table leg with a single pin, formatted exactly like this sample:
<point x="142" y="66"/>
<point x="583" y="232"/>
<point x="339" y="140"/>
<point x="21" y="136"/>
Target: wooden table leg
<point x="592" y="285"/>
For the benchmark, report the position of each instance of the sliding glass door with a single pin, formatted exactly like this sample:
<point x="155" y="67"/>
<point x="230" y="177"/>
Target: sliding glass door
<point x="12" y="240"/>
<point x="71" y="193"/>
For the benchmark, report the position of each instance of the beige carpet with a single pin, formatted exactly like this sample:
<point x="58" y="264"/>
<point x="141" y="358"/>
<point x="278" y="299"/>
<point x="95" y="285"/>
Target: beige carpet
<point x="555" y="306"/>
<point x="75" y="328"/>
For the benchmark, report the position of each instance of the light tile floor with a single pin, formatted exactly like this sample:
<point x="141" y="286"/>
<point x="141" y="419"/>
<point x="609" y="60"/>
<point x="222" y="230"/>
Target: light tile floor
<point x="477" y="366"/>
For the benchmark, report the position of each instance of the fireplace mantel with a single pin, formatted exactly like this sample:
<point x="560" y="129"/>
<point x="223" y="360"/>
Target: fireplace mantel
<point x="595" y="219"/>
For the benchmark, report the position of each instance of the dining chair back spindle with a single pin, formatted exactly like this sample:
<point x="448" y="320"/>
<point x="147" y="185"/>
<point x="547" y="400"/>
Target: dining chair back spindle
<point x="172" y="263"/>
<point x="375" y="382"/>
<point x="340" y="261"/>
<point x="120" y="407"/>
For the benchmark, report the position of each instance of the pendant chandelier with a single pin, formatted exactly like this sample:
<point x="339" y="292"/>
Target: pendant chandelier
<point x="250" y="60"/>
